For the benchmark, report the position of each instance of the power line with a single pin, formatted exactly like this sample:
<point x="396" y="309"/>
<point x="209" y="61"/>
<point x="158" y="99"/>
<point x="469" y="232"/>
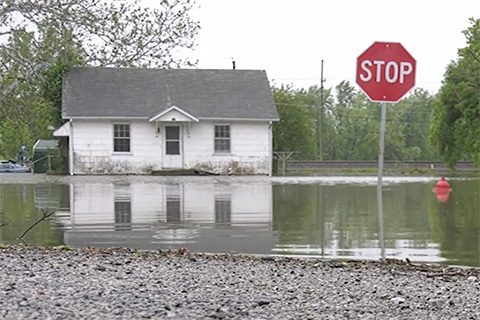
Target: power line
<point x="343" y="116"/>
<point x="310" y="105"/>
<point x="351" y="80"/>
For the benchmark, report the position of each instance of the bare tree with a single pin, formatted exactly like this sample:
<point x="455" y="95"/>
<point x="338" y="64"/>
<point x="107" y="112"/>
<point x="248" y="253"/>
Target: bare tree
<point x="104" y="33"/>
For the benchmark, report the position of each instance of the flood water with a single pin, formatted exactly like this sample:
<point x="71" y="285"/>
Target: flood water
<point x="329" y="217"/>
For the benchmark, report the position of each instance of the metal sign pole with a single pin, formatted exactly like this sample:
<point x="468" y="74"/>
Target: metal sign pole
<point x="382" y="142"/>
<point x="379" y="181"/>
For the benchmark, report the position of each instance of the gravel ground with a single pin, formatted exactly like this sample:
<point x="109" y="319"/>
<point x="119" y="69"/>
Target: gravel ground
<point x="60" y="283"/>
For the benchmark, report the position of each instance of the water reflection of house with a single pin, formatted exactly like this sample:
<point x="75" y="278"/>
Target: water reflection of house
<point x="47" y="196"/>
<point x="211" y="217"/>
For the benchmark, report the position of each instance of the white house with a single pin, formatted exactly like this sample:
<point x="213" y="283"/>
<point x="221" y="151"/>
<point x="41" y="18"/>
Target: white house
<point x="135" y="121"/>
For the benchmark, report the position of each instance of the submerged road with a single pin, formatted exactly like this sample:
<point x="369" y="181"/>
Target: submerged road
<point x="59" y="283"/>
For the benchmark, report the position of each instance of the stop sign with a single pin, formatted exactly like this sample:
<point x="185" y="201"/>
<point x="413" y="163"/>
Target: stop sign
<point x="385" y="71"/>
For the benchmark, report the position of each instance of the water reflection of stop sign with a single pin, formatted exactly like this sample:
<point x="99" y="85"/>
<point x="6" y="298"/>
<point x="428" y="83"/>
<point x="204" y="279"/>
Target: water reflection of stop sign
<point x="385" y="71"/>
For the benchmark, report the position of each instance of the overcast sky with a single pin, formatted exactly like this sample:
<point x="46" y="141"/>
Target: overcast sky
<point x="289" y="38"/>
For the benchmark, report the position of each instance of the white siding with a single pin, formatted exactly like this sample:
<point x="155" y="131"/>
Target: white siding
<point x="92" y="143"/>
<point x="250" y="148"/>
<point x="93" y="148"/>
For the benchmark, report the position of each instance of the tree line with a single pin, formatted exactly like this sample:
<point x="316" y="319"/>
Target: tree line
<point x="349" y="126"/>
<point x="41" y="40"/>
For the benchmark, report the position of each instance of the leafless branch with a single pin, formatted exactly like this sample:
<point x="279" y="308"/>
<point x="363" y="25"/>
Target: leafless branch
<point x="5" y="93"/>
<point x="45" y="217"/>
<point x="4" y="33"/>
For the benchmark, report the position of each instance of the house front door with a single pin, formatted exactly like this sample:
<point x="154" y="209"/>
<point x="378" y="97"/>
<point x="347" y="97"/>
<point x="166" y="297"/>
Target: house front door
<point x="173" y="157"/>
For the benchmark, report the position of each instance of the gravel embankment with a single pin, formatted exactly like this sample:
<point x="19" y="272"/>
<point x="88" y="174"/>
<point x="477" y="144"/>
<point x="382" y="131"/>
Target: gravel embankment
<point x="40" y="283"/>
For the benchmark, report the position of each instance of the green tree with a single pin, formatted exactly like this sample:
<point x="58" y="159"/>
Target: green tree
<point x="17" y="133"/>
<point x="295" y="131"/>
<point x="455" y="128"/>
<point x="414" y="113"/>
<point x="354" y="125"/>
<point x="25" y="116"/>
<point x="317" y="104"/>
<point x="51" y="86"/>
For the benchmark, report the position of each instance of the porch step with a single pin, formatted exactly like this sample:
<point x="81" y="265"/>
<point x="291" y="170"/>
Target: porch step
<point x="180" y="172"/>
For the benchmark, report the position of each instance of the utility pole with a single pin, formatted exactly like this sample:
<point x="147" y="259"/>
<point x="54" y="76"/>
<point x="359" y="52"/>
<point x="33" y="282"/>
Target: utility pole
<point x="320" y="116"/>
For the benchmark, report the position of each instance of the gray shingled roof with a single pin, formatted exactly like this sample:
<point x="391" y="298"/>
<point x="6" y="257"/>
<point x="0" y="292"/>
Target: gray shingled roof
<point x="121" y="92"/>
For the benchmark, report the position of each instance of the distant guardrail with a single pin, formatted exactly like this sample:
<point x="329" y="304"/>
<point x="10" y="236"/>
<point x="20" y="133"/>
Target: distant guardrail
<point x="388" y="164"/>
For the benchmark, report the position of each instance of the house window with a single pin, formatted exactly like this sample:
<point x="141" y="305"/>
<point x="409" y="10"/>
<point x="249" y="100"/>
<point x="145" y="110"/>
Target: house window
<point x="174" y="205"/>
<point x="222" y="139"/>
<point x="172" y="139"/>
<point x="123" y="216"/>
<point x="122" y="208"/>
<point x="173" y="209"/>
<point x="223" y="212"/>
<point x="121" y="138"/>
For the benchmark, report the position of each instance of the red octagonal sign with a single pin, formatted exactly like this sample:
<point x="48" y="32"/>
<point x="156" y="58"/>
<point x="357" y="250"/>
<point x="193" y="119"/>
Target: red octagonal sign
<point x="385" y="71"/>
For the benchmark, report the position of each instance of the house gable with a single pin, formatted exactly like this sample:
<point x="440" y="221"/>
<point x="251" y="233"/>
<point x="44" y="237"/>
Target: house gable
<point x="174" y="114"/>
<point x="63" y="131"/>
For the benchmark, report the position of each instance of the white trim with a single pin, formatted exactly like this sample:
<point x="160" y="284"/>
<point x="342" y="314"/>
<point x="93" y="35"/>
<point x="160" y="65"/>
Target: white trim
<point x="36" y="143"/>
<point x="121" y="153"/>
<point x="270" y="148"/>
<point x="125" y="118"/>
<point x="62" y="131"/>
<point x="237" y="119"/>
<point x="71" y="152"/>
<point x="186" y="114"/>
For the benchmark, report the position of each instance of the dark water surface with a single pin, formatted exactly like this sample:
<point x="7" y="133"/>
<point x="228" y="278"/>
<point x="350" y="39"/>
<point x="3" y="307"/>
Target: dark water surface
<point x="331" y="217"/>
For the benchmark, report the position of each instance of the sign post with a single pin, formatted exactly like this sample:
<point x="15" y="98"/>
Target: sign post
<point x="385" y="72"/>
<point x="381" y="150"/>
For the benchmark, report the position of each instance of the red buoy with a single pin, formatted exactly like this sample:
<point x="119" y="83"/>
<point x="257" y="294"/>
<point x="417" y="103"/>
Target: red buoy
<point x="442" y="184"/>
<point x="442" y="190"/>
